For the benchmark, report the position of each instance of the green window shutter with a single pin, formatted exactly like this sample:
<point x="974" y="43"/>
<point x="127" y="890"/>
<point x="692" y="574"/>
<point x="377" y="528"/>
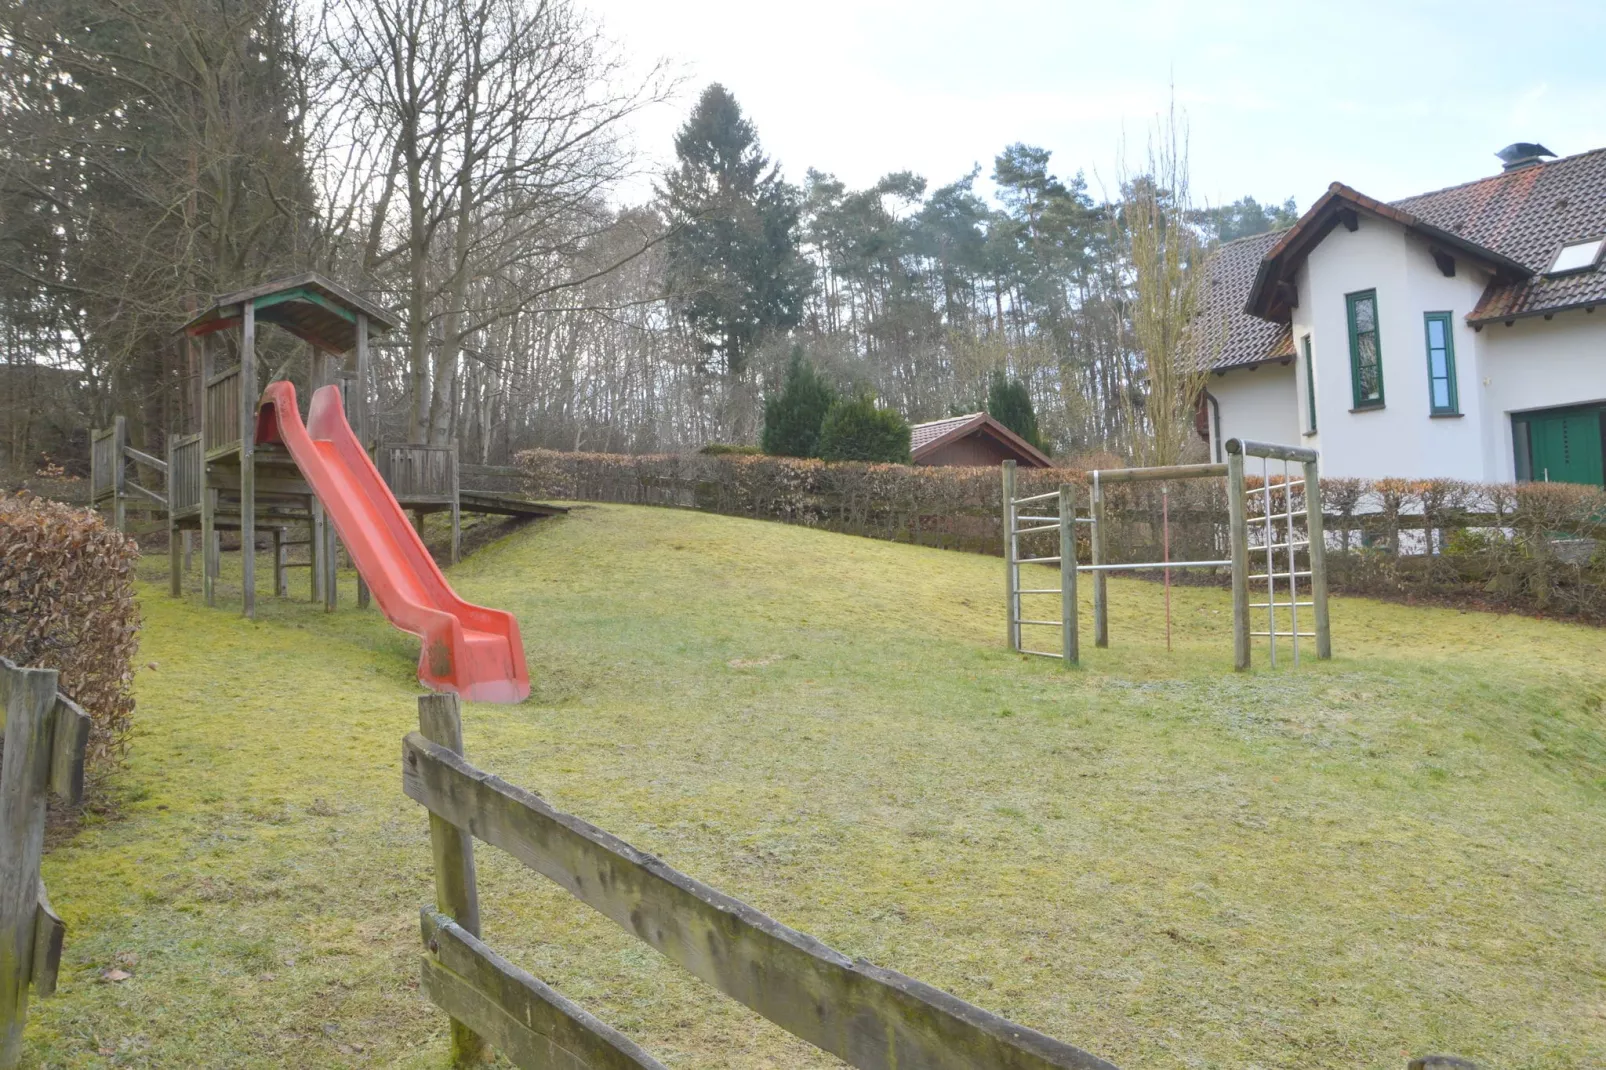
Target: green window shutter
<point x="1442" y="400"/>
<point x="1365" y="350"/>
<point x="1310" y="387"/>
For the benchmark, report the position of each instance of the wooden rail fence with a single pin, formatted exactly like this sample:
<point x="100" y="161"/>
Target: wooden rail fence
<point x="45" y="735"/>
<point x="867" y="1016"/>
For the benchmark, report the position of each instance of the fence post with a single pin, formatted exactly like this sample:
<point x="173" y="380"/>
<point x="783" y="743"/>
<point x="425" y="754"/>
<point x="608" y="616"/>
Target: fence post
<point x="1011" y="614"/>
<point x="175" y="548"/>
<point x="119" y="473"/>
<point x="1101" y="592"/>
<point x="1317" y="536"/>
<point x="30" y="701"/>
<point x="456" y="894"/>
<point x="1069" y="651"/>
<point x="209" y="544"/>
<point x="1238" y="539"/>
<point x="248" y="459"/>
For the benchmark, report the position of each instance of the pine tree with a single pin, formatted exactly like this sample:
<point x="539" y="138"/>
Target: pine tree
<point x="856" y="430"/>
<point x="734" y="270"/>
<point x="793" y="417"/>
<point x="1009" y="402"/>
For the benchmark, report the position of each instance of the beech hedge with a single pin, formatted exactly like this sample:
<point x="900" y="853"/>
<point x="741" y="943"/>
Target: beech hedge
<point x="1529" y="547"/>
<point x="67" y="603"/>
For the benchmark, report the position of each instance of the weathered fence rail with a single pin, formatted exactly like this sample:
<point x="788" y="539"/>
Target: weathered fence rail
<point x="45" y="736"/>
<point x="869" y="1017"/>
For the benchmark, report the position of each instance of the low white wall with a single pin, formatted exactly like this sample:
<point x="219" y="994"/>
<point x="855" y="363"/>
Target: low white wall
<point x="1257" y="402"/>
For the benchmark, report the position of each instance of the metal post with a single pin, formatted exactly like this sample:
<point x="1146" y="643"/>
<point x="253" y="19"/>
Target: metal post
<point x="1068" y="647"/>
<point x="1101" y="601"/>
<point x="1011" y="600"/>
<point x="1317" y="537"/>
<point x="1293" y="579"/>
<point x="1271" y="572"/>
<point x="248" y="470"/>
<point x="1238" y="540"/>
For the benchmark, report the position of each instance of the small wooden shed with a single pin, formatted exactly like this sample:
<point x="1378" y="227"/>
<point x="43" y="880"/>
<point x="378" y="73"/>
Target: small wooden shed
<point x="974" y="440"/>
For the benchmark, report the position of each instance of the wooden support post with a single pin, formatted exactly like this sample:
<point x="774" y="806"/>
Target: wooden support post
<point x="1101" y="593"/>
<point x="1011" y="598"/>
<point x="315" y="546"/>
<point x="248" y="472"/>
<point x="331" y="567"/>
<point x="457" y="510"/>
<point x="281" y="581"/>
<point x="175" y="549"/>
<point x="29" y="696"/>
<point x="1069" y="650"/>
<point x="189" y="549"/>
<point x="456" y="894"/>
<point x="119" y="473"/>
<point x="1238" y="539"/>
<point x="209" y="545"/>
<point x="1317" y="535"/>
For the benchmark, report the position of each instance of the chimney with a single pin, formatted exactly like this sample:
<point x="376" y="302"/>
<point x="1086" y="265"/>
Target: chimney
<point x="1522" y="154"/>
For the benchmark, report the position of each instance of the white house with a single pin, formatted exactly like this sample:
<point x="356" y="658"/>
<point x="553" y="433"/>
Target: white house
<point x="1451" y="334"/>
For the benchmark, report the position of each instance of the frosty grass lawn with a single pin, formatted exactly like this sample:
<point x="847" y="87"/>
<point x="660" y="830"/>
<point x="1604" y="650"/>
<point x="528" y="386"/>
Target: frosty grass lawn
<point x="1398" y="852"/>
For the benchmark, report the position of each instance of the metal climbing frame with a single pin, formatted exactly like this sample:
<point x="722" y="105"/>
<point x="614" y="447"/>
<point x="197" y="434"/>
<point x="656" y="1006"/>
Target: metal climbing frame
<point x="1281" y="559"/>
<point x="1239" y="501"/>
<point x="1062" y="521"/>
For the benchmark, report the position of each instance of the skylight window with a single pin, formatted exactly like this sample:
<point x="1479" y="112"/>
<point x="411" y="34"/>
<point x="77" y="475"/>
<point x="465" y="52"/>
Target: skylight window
<point x="1577" y="256"/>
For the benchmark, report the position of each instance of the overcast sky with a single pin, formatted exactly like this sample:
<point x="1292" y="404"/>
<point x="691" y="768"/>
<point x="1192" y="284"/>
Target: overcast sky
<point x="1281" y="98"/>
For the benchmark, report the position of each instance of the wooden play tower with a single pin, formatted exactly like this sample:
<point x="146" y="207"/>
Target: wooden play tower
<point x="222" y="478"/>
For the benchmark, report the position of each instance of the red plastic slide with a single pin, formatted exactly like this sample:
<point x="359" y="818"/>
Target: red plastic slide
<point x="473" y="651"/>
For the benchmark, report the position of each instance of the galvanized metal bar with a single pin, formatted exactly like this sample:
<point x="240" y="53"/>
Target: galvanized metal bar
<point x="1138" y="566"/>
<point x="1033" y="498"/>
<point x="1042" y="623"/>
<point x="1039" y="653"/>
<point x="1033" y="531"/>
<point x="1038" y="560"/>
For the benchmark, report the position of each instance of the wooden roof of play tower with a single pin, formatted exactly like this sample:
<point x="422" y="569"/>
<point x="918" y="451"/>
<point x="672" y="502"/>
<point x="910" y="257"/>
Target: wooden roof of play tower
<point x="309" y="306"/>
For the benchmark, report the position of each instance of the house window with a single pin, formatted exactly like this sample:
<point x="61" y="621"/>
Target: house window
<point x="1365" y="354"/>
<point x="1441" y="365"/>
<point x="1310" y="387"/>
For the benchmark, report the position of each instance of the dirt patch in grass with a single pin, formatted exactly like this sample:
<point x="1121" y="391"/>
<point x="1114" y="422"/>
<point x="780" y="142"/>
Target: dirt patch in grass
<point x="1400" y="851"/>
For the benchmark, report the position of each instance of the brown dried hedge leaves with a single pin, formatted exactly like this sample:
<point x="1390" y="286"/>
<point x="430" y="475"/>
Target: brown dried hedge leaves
<point x="67" y="603"/>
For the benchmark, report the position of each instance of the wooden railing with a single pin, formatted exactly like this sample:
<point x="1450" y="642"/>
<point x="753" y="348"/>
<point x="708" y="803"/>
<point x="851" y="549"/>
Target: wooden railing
<point x="419" y="474"/>
<point x="103" y="466"/>
<point x="867" y="1016"/>
<point x="222" y="415"/>
<point x="185" y="467"/>
<point x="109" y="454"/>
<point x="45" y="737"/>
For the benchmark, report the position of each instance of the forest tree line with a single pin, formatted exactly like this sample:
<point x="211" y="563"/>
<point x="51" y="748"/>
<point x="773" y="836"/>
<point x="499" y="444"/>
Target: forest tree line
<point x="459" y="162"/>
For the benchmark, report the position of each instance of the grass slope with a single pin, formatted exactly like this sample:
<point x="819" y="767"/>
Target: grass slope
<point x="1400" y="851"/>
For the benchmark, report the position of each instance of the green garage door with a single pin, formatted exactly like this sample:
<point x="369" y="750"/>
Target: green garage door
<point x="1560" y="446"/>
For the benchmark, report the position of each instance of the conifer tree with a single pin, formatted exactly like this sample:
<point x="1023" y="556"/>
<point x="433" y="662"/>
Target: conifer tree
<point x="793" y="417"/>
<point x="857" y="430"/>
<point x="734" y="269"/>
<point x="1010" y="403"/>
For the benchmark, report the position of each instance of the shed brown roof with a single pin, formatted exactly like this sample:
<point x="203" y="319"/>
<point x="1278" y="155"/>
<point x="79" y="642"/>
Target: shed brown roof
<point x="927" y="438"/>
